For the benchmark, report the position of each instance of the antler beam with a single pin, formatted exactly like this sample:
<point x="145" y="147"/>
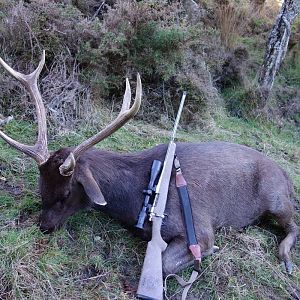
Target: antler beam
<point x="39" y="152"/>
<point x="126" y="113"/>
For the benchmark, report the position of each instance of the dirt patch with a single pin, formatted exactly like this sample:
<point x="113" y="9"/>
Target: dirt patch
<point x="26" y="219"/>
<point x="12" y="188"/>
<point x="128" y="287"/>
<point x="91" y="275"/>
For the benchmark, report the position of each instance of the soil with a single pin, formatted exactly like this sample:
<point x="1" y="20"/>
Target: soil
<point x="12" y="188"/>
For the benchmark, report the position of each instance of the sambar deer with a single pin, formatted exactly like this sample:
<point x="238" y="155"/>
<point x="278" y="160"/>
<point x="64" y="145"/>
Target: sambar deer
<point x="229" y="184"/>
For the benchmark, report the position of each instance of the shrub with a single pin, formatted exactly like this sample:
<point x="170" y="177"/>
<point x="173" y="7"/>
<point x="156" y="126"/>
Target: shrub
<point x="90" y="54"/>
<point x="241" y="102"/>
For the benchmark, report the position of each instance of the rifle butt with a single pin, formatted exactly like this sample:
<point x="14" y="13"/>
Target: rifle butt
<point x="151" y="281"/>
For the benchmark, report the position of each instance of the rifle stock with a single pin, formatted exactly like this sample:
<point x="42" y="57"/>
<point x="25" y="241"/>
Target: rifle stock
<point x="151" y="281"/>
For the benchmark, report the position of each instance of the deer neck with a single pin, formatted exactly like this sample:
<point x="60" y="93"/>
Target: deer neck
<point x="122" y="179"/>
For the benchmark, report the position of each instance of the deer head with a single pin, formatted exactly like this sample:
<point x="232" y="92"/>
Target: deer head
<point x="62" y="183"/>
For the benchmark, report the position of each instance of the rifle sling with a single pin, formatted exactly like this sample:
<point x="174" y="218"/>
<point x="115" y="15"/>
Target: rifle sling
<point x="185" y="284"/>
<point x="187" y="215"/>
<point x="194" y="247"/>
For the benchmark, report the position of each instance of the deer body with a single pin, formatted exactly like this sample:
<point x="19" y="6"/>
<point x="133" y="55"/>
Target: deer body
<point x="229" y="184"/>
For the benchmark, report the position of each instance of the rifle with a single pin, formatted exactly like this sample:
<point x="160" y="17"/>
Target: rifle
<point x="151" y="281"/>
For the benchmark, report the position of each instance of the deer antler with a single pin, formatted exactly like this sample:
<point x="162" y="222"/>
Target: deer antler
<point x="126" y="113"/>
<point x="39" y="152"/>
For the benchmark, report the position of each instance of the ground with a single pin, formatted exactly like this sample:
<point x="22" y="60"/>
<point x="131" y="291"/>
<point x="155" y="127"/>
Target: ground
<point x="93" y="257"/>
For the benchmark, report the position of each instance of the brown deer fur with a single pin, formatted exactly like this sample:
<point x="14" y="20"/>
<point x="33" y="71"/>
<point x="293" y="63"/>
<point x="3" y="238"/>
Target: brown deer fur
<point x="229" y="185"/>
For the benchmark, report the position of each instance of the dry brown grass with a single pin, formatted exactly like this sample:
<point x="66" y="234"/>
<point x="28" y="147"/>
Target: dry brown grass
<point x="68" y="101"/>
<point x="233" y="19"/>
<point x="246" y="267"/>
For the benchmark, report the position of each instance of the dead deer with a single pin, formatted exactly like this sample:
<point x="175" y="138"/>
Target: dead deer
<point x="229" y="184"/>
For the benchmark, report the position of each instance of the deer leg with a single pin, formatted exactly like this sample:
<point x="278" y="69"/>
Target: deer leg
<point x="284" y="216"/>
<point x="289" y="241"/>
<point x="177" y="256"/>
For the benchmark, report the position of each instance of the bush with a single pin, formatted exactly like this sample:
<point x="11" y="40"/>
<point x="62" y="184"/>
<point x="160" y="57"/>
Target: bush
<point x="241" y="102"/>
<point x="97" y="48"/>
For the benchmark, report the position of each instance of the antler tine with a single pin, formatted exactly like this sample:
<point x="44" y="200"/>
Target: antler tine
<point x="39" y="151"/>
<point x="124" y="116"/>
<point x="25" y="79"/>
<point x="126" y="98"/>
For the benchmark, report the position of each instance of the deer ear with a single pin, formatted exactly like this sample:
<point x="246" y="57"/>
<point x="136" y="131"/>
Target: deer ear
<point x="91" y="188"/>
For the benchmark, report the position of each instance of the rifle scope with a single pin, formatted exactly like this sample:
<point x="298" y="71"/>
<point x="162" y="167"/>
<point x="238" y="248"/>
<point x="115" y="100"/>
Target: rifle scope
<point x="149" y="193"/>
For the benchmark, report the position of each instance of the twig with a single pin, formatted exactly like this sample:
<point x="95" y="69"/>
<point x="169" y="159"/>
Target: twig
<point x="6" y="120"/>
<point x="98" y="10"/>
<point x="91" y="278"/>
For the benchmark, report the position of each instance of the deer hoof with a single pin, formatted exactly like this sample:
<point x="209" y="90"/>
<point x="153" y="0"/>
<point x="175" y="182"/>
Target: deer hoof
<point x="215" y="249"/>
<point x="288" y="267"/>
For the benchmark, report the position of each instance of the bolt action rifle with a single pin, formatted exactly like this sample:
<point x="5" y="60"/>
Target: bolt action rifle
<point x="151" y="281"/>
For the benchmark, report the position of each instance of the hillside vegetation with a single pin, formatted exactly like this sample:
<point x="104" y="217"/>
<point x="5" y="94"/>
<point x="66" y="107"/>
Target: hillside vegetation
<point x="214" y="51"/>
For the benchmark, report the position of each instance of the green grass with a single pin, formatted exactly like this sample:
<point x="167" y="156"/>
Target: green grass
<point x="93" y="257"/>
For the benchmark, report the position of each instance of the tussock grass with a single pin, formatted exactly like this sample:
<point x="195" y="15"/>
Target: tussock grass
<point x="93" y="257"/>
<point x="246" y="267"/>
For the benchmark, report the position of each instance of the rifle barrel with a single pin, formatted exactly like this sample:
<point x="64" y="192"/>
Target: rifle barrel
<point x="178" y="116"/>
